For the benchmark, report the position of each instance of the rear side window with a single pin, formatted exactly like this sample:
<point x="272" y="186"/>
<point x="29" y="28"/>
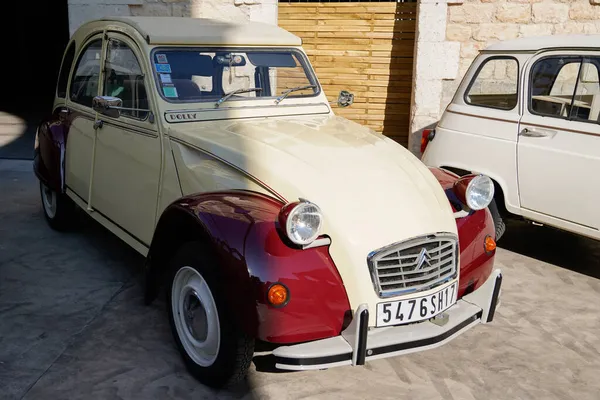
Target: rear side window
<point x="63" y="77"/>
<point x="495" y="84"/>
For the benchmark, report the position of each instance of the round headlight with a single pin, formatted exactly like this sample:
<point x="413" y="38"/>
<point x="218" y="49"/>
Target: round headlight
<point x="480" y="192"/>
<point x="302" y="222"/>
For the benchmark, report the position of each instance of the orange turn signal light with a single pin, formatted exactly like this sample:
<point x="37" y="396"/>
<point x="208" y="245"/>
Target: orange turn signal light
<point x="489" y="244"/>
<point x="278" y="295"/>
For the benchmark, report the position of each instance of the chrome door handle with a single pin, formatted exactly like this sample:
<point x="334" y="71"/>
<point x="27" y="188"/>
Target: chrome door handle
<point x="537" y="133"/>
<point x="98" y="124"/>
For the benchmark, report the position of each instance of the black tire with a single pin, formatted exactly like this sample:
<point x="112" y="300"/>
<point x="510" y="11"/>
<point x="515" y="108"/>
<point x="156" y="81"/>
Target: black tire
<point x="499" y="223"/>
<point x="59" y="209"/>
<point x="236" y="349"/>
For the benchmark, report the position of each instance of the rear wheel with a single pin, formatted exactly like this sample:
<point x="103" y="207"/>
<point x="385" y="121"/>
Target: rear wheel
<point x="59" y="210"/>
<point x="214" y="351"/>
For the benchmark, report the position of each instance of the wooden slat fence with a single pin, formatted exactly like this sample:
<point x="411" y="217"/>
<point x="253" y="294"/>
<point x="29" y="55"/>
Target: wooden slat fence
<point x="364" y="47"/>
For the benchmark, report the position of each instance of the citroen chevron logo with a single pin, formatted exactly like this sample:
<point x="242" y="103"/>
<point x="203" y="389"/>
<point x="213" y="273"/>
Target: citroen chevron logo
<point x="422" y="259"/>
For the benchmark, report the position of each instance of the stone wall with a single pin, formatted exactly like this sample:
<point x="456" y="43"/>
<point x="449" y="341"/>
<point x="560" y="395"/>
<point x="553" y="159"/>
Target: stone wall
<point x="471" y="25"/>
<point x="81" y="11"/>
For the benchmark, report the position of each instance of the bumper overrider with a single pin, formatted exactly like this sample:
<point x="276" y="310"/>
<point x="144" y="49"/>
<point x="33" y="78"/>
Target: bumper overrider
<point x="358" y="343"/>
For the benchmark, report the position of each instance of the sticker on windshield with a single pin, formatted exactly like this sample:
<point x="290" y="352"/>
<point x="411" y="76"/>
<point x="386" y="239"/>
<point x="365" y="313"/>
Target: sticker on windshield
<point x="161" y="58"/>
<point x="163" y="68"/>
<point x="170" y="91"/>
<point x="165" y="78"/>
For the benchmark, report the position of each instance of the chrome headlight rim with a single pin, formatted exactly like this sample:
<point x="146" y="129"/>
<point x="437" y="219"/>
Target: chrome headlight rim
<point x="287" y="219"/>
<point x="476" y="182"/>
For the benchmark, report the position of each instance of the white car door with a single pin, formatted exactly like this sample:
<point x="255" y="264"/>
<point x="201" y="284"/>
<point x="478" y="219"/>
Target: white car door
<point x="559" y="141"/>
<point x="83" y="88"/>
<point x="128" y="149"/>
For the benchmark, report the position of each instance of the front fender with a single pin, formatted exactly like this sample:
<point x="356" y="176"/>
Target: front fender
<point x="475" y="263"/>
<point x="243" y="230"/>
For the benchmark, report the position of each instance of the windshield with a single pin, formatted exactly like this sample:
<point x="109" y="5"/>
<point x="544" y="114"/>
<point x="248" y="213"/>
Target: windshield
<point x="207" y="75"/>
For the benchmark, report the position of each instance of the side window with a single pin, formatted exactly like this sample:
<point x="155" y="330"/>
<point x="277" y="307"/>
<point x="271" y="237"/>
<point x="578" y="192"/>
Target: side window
<point x="495" y="84"/>
<point x="84" y="83"/>
<point x="124" y="79"/>
<point x="553" y="81"/>
<point x="586" y="104"/>
<point x="65" y="70"/>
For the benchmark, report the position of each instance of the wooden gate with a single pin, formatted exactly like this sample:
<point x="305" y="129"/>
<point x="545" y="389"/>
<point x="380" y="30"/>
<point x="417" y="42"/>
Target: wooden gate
<point x="364" y="47"/>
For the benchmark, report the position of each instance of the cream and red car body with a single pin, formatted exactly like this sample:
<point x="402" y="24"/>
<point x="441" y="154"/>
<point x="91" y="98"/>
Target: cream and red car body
<point x="222" y="175"/>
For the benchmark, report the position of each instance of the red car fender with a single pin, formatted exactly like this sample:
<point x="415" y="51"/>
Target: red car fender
<point x="475" y="263"/>
<point x="243" y="229"/>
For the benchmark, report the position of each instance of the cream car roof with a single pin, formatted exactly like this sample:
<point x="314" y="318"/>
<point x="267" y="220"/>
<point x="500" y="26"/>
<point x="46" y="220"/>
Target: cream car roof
<point x="203" y="31"/>
<point x="533" y="44"/>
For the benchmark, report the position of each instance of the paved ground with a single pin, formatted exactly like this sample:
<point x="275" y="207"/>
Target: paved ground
<point x="72" y="324"/>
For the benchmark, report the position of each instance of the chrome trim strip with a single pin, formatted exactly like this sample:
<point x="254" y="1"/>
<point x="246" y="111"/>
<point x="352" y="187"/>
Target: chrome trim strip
<point x="318" y="243"/>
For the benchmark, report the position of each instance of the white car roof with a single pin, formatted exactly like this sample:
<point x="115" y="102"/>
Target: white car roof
<point x="536" y="43"/>
<point x="203" y="31"/>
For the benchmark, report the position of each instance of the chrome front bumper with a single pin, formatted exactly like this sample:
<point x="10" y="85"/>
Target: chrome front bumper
<point x="358" y="344"/>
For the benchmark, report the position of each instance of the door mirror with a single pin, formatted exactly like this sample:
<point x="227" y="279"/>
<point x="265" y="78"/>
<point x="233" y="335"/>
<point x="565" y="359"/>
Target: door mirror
<point x="107" y="105"/>
<point x="345" y="99"/>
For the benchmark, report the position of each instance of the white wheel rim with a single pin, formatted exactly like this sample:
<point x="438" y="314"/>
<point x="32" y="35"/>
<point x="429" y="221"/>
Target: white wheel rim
<point x="196" y="317"/>
<point x="49" y="201"/>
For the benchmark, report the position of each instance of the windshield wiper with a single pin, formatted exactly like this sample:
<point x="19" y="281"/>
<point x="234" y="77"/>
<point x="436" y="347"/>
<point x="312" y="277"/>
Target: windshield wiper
<point x="237" y="91"/>
<point x="287" y="92"/>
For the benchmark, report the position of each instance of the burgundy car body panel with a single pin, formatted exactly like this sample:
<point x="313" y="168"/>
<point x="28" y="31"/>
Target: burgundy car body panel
<point x="475" y="264"/>
<point x="244" y="229"/>
<point x="49" y="157"/>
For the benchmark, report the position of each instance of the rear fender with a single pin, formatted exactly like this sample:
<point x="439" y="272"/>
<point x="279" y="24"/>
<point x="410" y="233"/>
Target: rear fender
<point x="243" y="232"/>
<point x="50" y="150"/>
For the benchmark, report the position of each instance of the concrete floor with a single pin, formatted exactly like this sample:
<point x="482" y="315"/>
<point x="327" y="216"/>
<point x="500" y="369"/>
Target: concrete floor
<point x="72" y="324"/>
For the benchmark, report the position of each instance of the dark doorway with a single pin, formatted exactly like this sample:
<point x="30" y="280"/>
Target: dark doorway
<point x="33" y="43"/>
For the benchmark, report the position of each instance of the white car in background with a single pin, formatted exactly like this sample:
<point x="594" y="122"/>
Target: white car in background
<point x="527" y="115"/>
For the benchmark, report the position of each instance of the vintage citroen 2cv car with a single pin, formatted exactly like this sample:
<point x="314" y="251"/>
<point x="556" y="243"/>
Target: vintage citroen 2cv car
<point x="211" y="149"/>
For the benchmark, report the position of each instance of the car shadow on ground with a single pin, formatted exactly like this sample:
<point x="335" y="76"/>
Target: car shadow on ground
<point x="554" y="246"/>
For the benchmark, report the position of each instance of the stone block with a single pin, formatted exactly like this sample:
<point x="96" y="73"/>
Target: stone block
<point x="458" y="32"/>
<point x="472" y="13"/>
<point x="433" y="17"/>
<point x="437" y="60"/>
<point x="181" y="10"/>
<point x="100" y="3"/>
<point x="496" y="31"/>
<point x="80" y="14"/>
<point x="470" y="50"/>
<point x="581" y="11"/>
<point x="517" y="13"/>
<point x="151" y="10"/>
<point x="535" y="30"/>
<point x="427" y="94"/>
<point x="550" y="12"/>
<point x="569" y="28"/>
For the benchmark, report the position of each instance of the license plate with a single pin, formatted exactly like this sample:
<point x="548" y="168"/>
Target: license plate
<point x="417" y="308"/>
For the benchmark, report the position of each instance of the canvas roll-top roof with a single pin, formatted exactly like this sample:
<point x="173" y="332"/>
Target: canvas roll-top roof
<point x="202" y="31"/>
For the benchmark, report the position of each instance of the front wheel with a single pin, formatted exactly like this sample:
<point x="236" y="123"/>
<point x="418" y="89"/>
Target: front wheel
<point x="499" y="224"/>
<point x="214" y="351"/>
<point x="59" y="210"/>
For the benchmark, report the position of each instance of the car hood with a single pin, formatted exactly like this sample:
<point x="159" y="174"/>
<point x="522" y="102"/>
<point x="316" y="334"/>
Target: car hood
<point x="371" y="190"/>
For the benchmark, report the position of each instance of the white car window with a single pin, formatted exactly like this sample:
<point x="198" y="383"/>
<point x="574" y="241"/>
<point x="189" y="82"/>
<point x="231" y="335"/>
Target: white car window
<point x="495" y="84"/>
<point x="553" y="82"/>
<point x="586" y="105"/>
<point x="84" y="83"/>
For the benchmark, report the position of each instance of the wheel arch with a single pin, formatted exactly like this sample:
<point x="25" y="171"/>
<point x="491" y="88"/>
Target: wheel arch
<point x="247" y="244"/>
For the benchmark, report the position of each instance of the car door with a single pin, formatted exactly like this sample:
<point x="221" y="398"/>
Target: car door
<point x="559" y="140"/>
<point x="128" y="149"/>
<point x="84" y="86"/>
